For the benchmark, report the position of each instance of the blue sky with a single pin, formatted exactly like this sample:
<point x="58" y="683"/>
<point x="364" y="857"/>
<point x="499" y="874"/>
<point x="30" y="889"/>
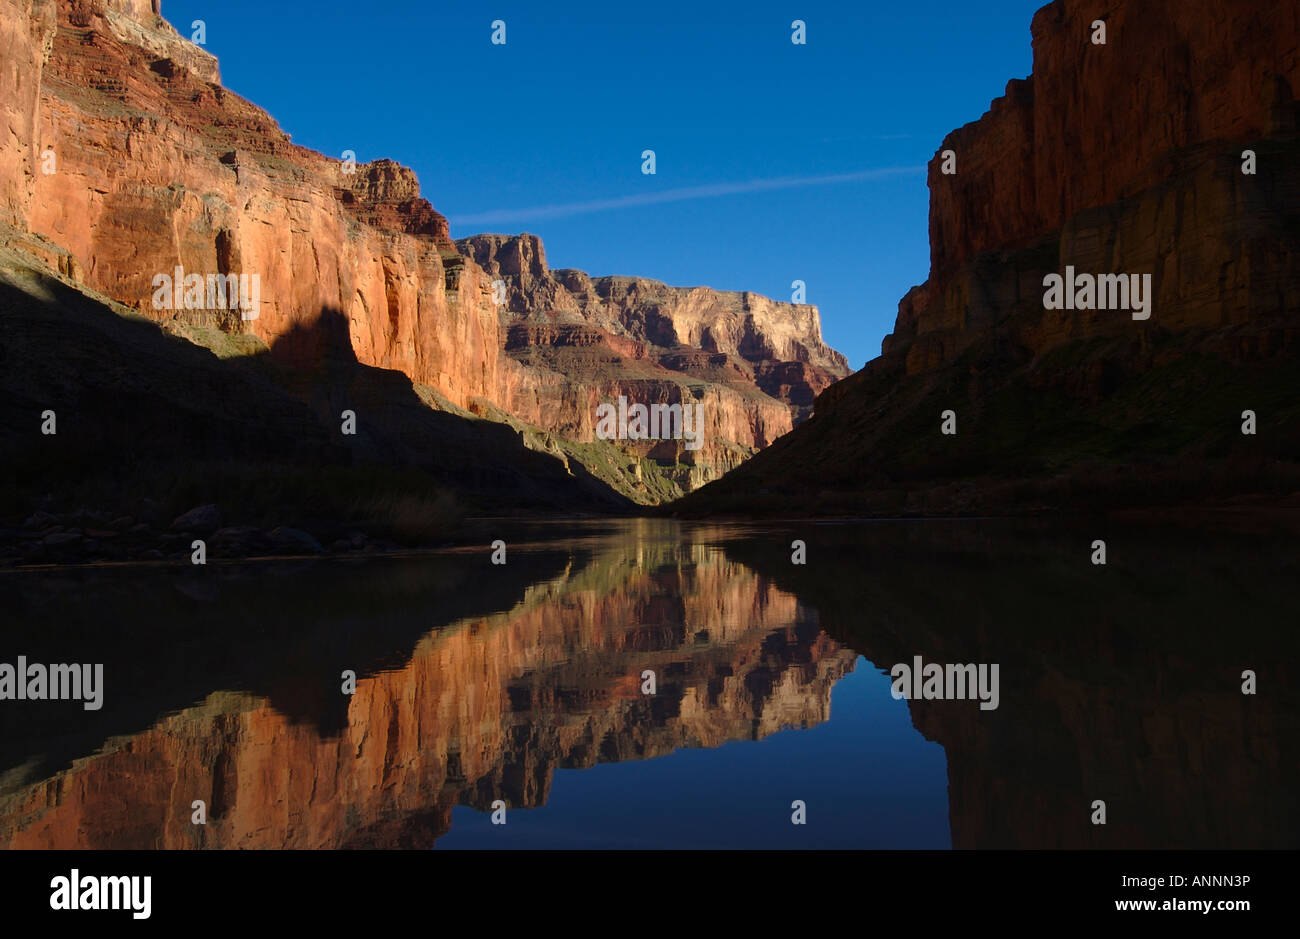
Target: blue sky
<point x="866" y="776"/>
<point x="768" y="153"/>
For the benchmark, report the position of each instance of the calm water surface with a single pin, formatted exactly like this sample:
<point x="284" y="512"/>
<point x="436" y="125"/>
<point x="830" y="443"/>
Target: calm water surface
<point x="522" y="685"/>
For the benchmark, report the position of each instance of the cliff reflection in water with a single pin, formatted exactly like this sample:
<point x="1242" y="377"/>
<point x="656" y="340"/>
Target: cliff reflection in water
<point x="478" y="683"/>
<point x="486" y="707"/>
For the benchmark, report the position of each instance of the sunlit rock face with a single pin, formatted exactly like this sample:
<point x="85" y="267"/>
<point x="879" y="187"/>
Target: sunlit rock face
<point x="27" y="30"/>
<point x="751" y="365"/>
<point x="159" y="170"/>
<point x="486" y="708"/>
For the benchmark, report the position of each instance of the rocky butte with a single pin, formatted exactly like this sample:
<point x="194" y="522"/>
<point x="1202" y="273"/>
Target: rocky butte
<point x="1123" y="158"/>
<point x="122" y="157"/>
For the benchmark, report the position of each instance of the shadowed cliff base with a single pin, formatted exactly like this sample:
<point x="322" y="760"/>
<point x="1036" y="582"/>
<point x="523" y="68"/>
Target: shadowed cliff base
<point x="149" y="425"/>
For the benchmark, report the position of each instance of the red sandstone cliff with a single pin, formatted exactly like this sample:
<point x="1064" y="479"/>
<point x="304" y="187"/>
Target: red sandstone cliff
<point x="1172" y="74"/>
<point x="27" y="29"/>
<point x="1150" y="124"/>
<point x="156" y="166"/>
<point x="1125" y="158"/>
<point x="753" y="365"/>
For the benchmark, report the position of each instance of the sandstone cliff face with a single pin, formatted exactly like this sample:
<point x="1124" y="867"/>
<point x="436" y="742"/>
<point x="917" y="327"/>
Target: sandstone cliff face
<point x="140" y="23"/>
<point x="1097" y="123"/>
<point x="1123" y="158"/>
<point x="27" y="30"/>
<point x="746" y="328"/>
<point x="1151" y="125"/>
<point x="157" y="167"/>
<point x="573" y="342"/>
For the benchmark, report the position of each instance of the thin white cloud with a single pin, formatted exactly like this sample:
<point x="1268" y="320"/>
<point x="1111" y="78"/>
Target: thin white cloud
<point x="711" y="191"/>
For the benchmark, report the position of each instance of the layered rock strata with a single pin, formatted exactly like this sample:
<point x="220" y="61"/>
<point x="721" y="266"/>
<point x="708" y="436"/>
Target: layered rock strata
<point x="125" y="159"/>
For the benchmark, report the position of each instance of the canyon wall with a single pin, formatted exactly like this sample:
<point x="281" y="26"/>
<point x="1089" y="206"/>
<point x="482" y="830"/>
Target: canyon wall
<point x="1148" y="126"/>
<point x="159" y="168"/>
<point x="27" y="29"/>
<point x="156" y="167"/>
<point x="753" y="365"/>
<point x="1128" y="157"/>
<point x="1096" y="123"/>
